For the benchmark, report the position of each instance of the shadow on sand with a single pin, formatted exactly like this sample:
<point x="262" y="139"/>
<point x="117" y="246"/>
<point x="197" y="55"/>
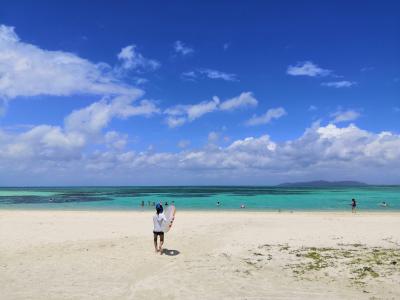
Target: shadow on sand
<point x="170" y="252"/>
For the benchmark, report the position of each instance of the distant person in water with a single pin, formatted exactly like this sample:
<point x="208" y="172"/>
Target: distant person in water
<point x="218" y="203"/>
<point x="166" y="203"/>
<point x="142" y="203"/>
<point x="242" y="206"/>
<point x="384" y="204"/>
<point x="158" y="221"/>
<point x="353" y="205"/>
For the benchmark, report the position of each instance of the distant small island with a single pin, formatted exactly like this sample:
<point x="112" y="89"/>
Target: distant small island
<point x="323" y="183"/>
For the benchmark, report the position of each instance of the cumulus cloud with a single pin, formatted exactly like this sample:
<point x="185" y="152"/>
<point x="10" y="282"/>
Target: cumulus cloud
<point x="81" y="128"/>
<point x="27" y="70"/>
<point x="131" y="59"/>
<point x="345" y="115"/>
<point x="307" y="68"/>
<point x="93" y="118"/>
<point x="180" y="114"/>
<point x="339" y="84"/>
<point x="329" y="152"/>
<point x="271" y="114"/>
<point x="182" y="49"/>
<point x="115" y="140"/>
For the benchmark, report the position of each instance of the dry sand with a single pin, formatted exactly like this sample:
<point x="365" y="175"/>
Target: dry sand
<point x="211" y="255"/>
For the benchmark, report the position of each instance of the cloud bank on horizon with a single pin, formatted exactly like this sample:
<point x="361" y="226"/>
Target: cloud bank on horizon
<point x="109" y="135"/>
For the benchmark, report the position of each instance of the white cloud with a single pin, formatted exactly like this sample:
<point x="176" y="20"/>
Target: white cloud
<point x="312" y="108"/>
<point x="183" y="143"/>
<point x="345" y="116"/>
<point x="27" y="70"/>
<point x="328" y="152"/>
<point x="115" y="140"/>
<point x="273" y="113"/>
<point x="97" y="116"/>
<point x="209" y="73"/>
<point x="173" y="122"/>
<point x="197" y="110"/>
<point x="182" y="49"/>
<point x="339" y="84"/>
<point x="190" y="75"/>
<point x="131" y="59"/>
<point x="140" y="81"/>
<point x="214" y="74"/>
<point x="213" y="137"/>
<point x="245" y="99"/>
<point x="307" y="68"/>
<point x="180" y="114"/>
<point x="226" y="46"/>
<point x="81" y="128"/>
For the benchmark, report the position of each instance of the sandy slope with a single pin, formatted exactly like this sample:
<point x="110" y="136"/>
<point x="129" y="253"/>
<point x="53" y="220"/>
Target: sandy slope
<point x="211" y="255"/>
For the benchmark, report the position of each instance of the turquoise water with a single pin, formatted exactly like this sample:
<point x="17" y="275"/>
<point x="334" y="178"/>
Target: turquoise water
<point x="205" y="198"/>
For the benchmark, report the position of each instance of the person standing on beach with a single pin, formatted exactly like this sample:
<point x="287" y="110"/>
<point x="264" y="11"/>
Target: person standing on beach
<point x="158" y="220"/>
<point x="353" y="205"/>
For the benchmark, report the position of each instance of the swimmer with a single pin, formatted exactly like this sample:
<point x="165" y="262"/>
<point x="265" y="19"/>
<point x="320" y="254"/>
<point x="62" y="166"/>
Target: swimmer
<point x="218" y="203"/>
<point x="353" y="205"/>
<point x="384" y="204"/>
<point x="242" y="206"/>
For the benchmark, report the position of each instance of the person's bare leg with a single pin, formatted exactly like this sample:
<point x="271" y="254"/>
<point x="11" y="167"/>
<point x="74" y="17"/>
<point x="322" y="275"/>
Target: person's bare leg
<point x="155" y="243"/>
<point x="161" y="244"/>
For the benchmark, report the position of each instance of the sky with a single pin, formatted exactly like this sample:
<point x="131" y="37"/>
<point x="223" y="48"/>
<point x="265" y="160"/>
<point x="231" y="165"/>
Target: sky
<point x="199" y="92"/>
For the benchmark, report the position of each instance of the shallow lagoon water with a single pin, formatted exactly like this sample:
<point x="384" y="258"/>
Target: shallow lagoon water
<point x="200" y="198"/>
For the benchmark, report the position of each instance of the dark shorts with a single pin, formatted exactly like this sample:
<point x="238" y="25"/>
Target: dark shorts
<point x="158" y="233"/>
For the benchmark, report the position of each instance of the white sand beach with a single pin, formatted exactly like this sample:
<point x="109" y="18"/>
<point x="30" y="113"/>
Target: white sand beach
<point x="209" y="255"/>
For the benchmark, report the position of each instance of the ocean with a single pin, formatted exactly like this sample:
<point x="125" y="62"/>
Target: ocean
<point x="201" y="198"/>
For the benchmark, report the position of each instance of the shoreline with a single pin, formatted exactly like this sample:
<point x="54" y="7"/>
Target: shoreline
<point x="206" y="210"/>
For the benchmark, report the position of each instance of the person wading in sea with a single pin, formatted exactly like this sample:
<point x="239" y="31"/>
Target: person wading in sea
<point x="353" y="205"/>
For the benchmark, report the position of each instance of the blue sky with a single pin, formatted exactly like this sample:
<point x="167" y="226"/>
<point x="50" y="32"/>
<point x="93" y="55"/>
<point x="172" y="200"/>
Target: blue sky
<point x="172" y="92"/>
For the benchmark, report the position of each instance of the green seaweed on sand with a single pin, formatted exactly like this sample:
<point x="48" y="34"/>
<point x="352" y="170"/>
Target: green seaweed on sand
<point x="364" y="272"/>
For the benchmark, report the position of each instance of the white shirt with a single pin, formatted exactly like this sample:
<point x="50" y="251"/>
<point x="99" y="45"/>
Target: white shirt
<point x="158" y="222"/>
